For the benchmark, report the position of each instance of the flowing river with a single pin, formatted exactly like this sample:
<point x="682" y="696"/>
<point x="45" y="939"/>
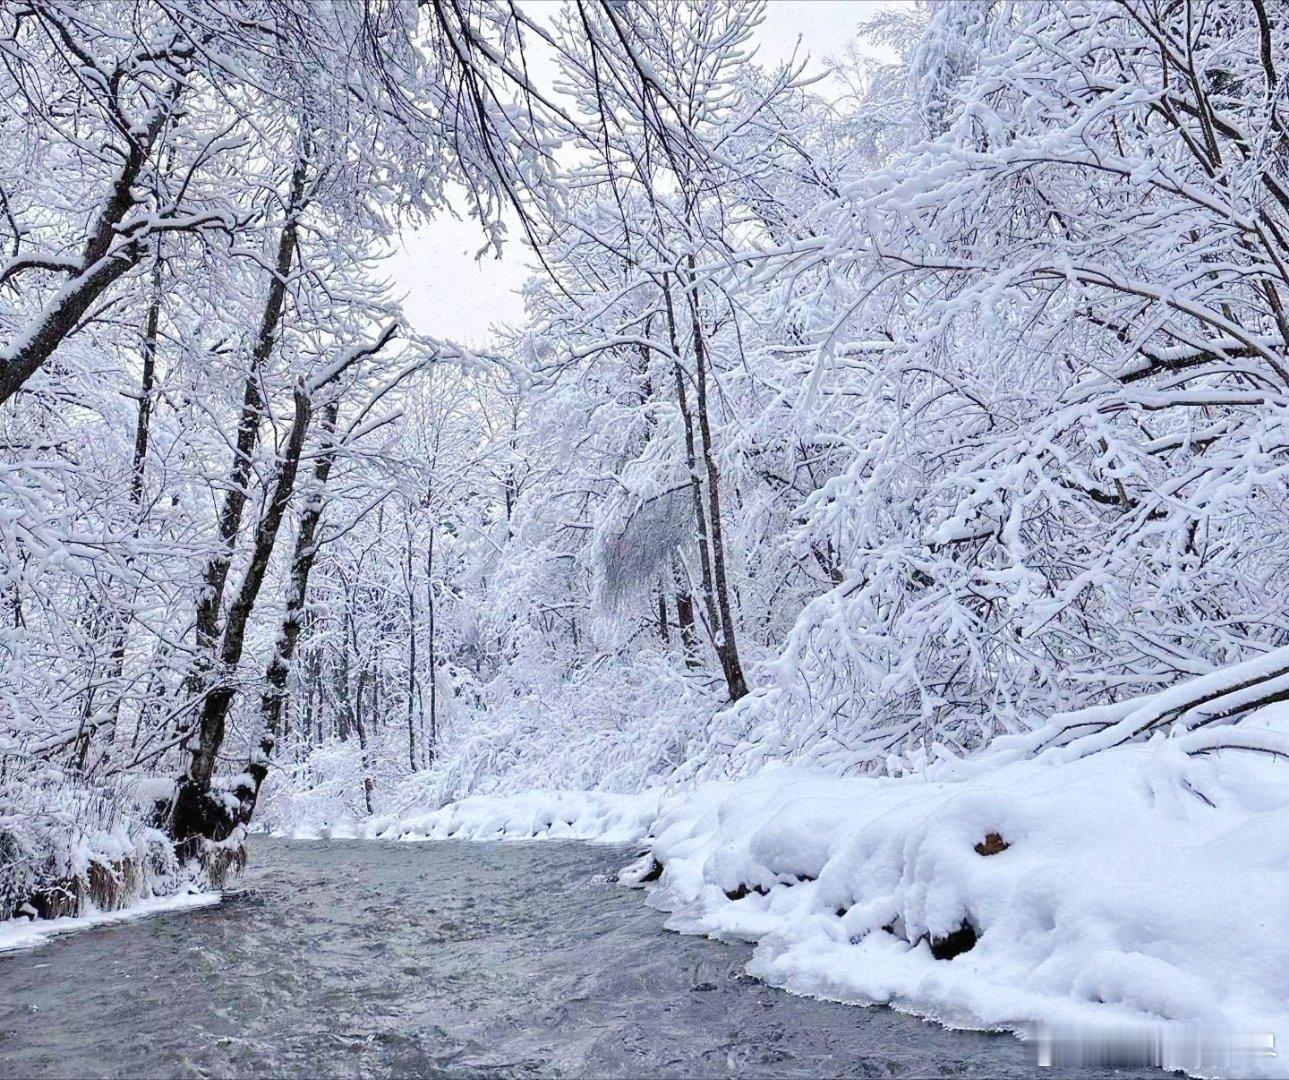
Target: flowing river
<point x="353" y="958"/>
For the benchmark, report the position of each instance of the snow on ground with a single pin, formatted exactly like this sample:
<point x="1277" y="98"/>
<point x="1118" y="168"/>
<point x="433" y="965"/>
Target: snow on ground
<point x="27" y="933"/>
<point x="1139" y="892"/>
<point x="598" y="816"/>
<point x="1139" y="885"/>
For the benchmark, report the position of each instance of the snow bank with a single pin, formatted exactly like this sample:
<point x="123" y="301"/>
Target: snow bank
<point x="27" y="933"/>
<point x="1139" y="886"/>
<point x="597" y="816"/>
<point x="1140" y="893"/>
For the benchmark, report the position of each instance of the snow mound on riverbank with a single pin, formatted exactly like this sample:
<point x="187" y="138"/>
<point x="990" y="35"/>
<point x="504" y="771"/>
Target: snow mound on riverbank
<point x="1137" y="886"/>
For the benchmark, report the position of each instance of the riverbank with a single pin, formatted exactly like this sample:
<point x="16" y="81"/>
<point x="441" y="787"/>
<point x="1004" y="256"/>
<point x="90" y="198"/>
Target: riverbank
<point x="24" y="933"/>
<point x="75" y="855"/>
<point x="1136" y="894"/>
<point x="348" y="958"/>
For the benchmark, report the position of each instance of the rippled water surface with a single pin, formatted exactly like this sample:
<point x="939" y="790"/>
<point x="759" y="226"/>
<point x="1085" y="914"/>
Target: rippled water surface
<point x="439" y="959"/>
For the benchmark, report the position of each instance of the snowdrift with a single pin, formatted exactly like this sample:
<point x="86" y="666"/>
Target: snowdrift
<point x="596" y="816"/>
<point x="1140" y="889"/>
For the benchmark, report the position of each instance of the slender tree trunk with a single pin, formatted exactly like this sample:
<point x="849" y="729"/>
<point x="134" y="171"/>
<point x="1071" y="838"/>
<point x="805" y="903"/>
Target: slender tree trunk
<point x="148" y="354"/>
<point x="710" y="539"/>
<point x="312" y="694"/>
<point x="688" y="634"/>
<point x="691" y="464"/>
<point x="354" y="695"/>
<point x="361" y="729"/>
<point x="413" y="685"/>
<point x="510" y="479"/>
<point x="138" y="470"/>
<point x="727" y="645"/>
<point x="85" y="729"/>
<point x="344" y="703"/>
<point x="685" y="613"/>
<point x="432" y="749"/>
<point x="215" y="576"/>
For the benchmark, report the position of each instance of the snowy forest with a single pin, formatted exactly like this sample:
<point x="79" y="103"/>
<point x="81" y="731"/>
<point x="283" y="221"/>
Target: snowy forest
<point x="899" y="418"/>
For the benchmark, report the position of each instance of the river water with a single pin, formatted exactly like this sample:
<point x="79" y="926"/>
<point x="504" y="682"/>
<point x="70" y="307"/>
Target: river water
<point x="357" y="958"/>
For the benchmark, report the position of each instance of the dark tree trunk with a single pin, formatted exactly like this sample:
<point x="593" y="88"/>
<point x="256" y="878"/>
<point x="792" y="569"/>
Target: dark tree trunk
<point x="695" y="481"/>
<point x="279" y="670"/>
<point x="340" y="687"/>
<point x="413" y="685"/>
<point x="312" y="694"/>
<point x="215" y="576"/>
<point x="139" y="464"/>
<point x="101" y="265"/>
<point x="195" y="814"/>
<point x="148" y="354"/>
<point x="360" y="728"/>
<point x="685" y="614"/>
<point x="715" y="586"/>
<point x="688" y="634"/>
<point x="727" y="645"/>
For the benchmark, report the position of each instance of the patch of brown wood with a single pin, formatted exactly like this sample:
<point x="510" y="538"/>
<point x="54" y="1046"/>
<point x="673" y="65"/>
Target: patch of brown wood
<point x="992" y="844"/>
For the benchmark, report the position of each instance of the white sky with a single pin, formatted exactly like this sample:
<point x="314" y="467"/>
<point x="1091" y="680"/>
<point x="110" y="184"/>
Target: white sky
<point x="450" y="294"/>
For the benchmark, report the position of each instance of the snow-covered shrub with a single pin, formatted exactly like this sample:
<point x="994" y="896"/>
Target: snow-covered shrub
<point x="68" y="846"/>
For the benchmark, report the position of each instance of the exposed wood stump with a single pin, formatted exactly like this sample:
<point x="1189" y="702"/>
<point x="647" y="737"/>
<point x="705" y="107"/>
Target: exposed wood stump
<point x="992" y="844"/>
